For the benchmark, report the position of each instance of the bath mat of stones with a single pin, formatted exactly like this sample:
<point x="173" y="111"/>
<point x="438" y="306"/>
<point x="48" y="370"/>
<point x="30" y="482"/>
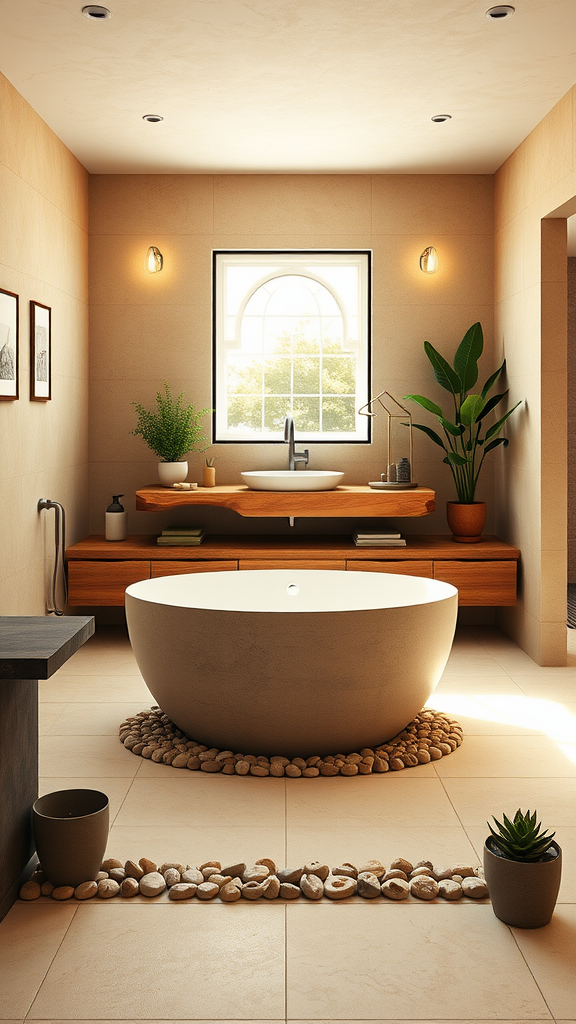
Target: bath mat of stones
<point x="430" y="736"/>
<point x="263" y="880"/>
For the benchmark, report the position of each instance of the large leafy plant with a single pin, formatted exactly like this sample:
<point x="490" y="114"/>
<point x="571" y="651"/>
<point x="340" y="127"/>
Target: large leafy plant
<point x="522" y="838"/>
<point x="173" y="429"/>
<point x="464" y="442"/>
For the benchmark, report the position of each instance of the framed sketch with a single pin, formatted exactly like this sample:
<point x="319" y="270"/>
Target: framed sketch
<point x="8" y="346"/>
<point x="40" y="352"/>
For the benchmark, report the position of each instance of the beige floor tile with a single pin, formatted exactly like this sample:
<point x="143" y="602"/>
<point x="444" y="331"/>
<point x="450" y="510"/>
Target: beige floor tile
<point x="398" y="1020"/>
<point x="87" y="719"/>
<point x="475" y="800"/>
<point x="58" y="689"/>
<point x="493" y="714"/>
<point x="550" y="953"/>
<point x="335" y="844"/>
<point x="555" y="685"/>
<point x="115" y="789"/>
<point x="114" y="689"/>
<point x="29" y="940"/>
<point x="196" y="796"/>
<point x="223" y="962"/>
<point x="369" y="800"/>
<point x="196" y="843"/>
<point x="182" y="1020"/>
<point x="507" y="757"/>
<point x="387" y="962"/>
<point x="103" y="756"/>
<point x="472" y="683"/>
<point x="48" y="715"/>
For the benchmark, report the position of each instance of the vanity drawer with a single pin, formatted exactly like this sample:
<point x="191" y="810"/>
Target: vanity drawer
<point x="292" y="563"/>
<point x="407" y="566"/>
<point x="183" y="568"/>
<point x="480" y="583"/>
<point x="103" y="583"/>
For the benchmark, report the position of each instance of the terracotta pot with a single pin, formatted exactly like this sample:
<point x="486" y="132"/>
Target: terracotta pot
<point x="523" y="895"/>
<point x="70" y="832"/>
<point x="172" y="473"/>
<point x="466" y="520"/>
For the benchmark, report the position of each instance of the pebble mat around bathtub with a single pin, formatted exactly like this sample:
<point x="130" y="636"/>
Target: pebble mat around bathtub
<point x="428" y="737"/>
<point x="234" y="881"/>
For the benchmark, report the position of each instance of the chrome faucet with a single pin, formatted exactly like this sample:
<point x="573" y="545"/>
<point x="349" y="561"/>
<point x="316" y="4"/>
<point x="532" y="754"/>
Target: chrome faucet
<point x="294" y="457"/>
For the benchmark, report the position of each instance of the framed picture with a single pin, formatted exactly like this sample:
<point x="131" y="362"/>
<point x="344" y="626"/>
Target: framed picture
<point x="8" y="346"/>
<point x="40" y="352"/>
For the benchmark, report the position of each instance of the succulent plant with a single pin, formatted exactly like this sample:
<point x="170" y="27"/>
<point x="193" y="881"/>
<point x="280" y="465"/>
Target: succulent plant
<point x="521" y="839"/>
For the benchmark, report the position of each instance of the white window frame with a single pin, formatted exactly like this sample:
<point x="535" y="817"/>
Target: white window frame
<point x="280" y="263"/>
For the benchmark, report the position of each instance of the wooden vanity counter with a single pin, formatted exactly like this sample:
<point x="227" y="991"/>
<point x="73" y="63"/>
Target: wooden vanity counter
<point x="338" y="503"/>
<point x="99" y="571"/>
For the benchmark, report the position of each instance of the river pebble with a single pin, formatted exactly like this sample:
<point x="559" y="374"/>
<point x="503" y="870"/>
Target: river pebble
<point x="182" y="891"/>
<point x="107" y="889"/>
<point x="152" y="884"/>
<point x="30" y="890"/>
<point x="129" y="887"/>
<point x="312" y="887"/>
<point x="396" y="889"/>
<point x="86" y="890"/>
<point x="474" y="887"/>
<point x="339" y="887"/>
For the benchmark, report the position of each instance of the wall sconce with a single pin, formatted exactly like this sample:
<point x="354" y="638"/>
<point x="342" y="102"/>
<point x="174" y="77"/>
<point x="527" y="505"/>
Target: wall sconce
<point x="429" y="260"/>
<point x="154" y="260"/>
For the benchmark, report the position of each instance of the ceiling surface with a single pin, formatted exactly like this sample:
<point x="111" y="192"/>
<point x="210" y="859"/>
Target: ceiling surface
<point x="270" y="86"/>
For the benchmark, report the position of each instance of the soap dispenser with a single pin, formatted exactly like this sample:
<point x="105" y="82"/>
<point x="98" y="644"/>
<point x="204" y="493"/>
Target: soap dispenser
<point x="116" y="520"/>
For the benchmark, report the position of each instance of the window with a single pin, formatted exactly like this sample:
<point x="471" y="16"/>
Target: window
<point x="291" y="338"/>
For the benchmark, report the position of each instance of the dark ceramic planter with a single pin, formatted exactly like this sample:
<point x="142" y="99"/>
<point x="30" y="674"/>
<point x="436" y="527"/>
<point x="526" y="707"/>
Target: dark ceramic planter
<point x="70" y="832"/>
<point x="466" y="520"/>
<point x="523" y="895"/>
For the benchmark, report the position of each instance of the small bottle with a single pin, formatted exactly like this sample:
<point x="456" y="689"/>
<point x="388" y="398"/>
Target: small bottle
<point x="209" y="476"/>
<point x="403" y="471"/>
<point x="116" y="520"/>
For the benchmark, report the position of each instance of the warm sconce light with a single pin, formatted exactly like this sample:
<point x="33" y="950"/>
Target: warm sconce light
<point x="154" y="260"/>
<point x="429" y="260"/>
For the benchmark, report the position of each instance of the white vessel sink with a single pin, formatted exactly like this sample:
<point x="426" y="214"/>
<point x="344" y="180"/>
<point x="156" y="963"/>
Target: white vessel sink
<point x="292" y="480"/>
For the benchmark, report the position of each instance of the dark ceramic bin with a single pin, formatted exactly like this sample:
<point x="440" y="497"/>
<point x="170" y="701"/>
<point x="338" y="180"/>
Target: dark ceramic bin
<point x="523" y="895"/>
<point x="70" y="832"/>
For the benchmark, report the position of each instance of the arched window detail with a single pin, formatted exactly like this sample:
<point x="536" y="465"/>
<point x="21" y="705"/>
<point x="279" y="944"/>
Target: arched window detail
<point x="291" y="339"/>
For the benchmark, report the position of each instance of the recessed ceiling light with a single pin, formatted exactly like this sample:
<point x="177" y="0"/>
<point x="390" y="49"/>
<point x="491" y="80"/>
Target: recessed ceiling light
<point x="96" y="12"/>
<point x="153" y="118"/>
<point x="502" y="11"/>
<point x="438" y="118"/>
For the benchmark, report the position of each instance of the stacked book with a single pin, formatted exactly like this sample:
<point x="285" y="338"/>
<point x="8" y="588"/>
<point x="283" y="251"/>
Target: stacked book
<point x="384" y="539"/>
<point x="181" y="536"/>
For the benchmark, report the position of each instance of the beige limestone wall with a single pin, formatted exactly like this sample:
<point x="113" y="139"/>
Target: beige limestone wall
<point x="535" y="190"/>
<point x="149" y="328"/>
<point x="572" y="419"/>
<point x="44" y="257"/>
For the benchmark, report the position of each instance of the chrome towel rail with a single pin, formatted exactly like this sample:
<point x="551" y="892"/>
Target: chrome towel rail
<point x="59" y="552"/>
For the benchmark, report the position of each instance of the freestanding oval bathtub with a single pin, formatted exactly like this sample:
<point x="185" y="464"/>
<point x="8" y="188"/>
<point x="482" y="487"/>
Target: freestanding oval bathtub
<point x="293" y="662"/>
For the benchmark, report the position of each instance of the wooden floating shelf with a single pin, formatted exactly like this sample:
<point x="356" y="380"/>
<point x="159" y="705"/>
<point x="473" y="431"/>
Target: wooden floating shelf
<point x="340" y="502"/>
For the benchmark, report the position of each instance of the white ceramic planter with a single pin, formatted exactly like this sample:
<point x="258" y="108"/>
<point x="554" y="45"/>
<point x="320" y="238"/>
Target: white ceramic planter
<point x="172" y="473"/>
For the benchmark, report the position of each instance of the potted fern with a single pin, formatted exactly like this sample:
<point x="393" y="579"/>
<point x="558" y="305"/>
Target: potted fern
<point x="171" y="431"/>
<point x="522" y="865"/>
<point x="467" y="436"/>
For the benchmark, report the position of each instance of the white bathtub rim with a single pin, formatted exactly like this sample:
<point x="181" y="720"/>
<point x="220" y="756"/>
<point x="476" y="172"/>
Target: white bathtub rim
<point x="157" y="591"/>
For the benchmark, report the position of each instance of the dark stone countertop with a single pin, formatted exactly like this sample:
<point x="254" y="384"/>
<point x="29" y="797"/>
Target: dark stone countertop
<point x="35" y="646"/>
